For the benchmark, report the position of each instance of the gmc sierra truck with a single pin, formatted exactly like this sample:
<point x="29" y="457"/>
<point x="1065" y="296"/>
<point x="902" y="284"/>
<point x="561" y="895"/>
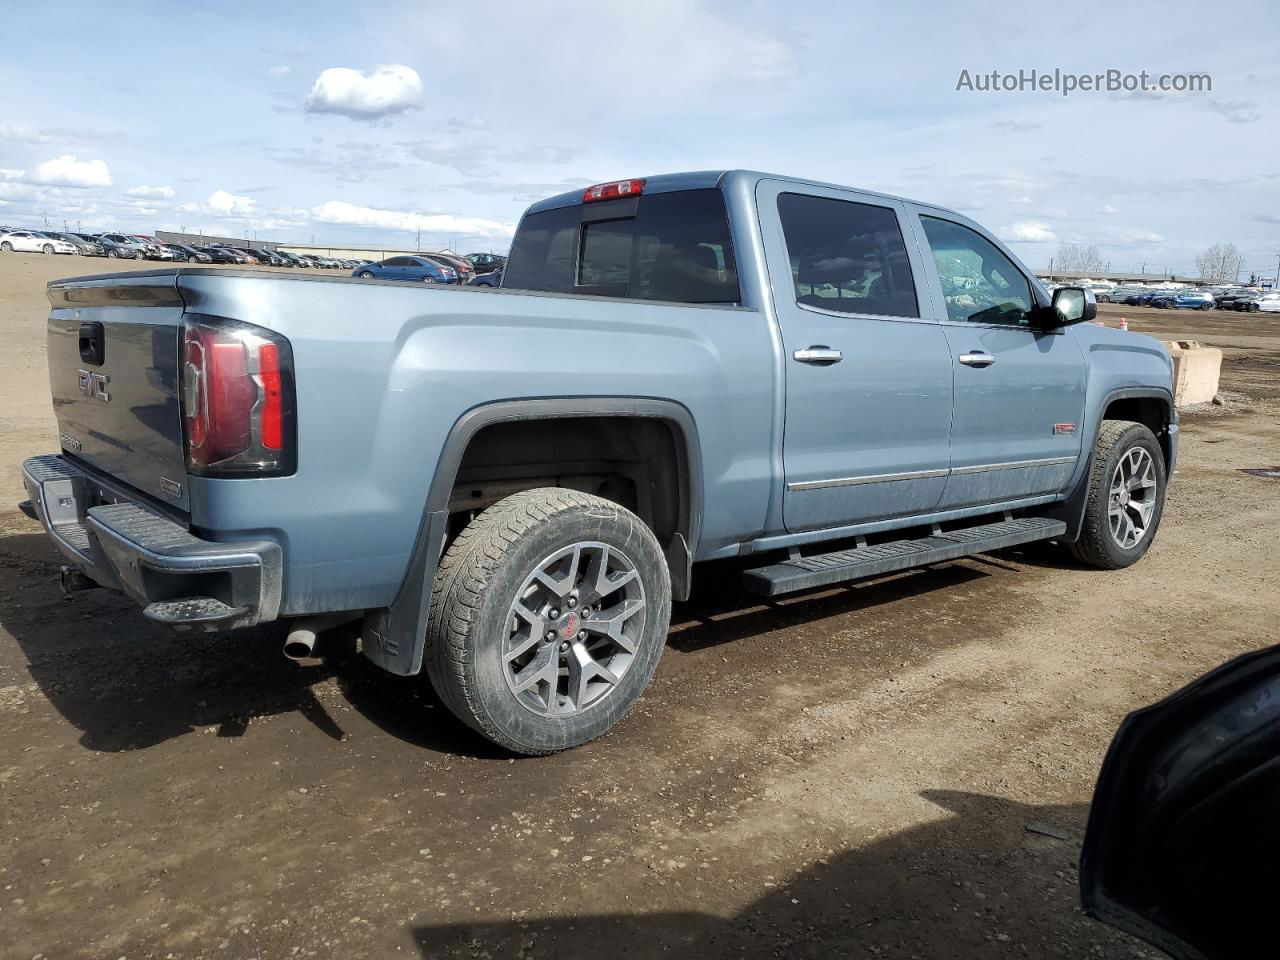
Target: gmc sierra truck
<point x="509" y="487"/>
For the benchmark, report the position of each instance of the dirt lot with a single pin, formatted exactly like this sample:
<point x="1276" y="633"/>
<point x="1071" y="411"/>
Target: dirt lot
<point x="847" y="773"/>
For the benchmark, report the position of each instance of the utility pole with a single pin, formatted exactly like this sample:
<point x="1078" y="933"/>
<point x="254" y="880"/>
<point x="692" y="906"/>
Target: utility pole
<point x="418" y="244"/>
<point x="46" y="219"/>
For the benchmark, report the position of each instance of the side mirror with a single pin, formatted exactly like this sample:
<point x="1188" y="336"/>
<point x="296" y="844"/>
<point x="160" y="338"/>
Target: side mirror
<point x="1073" y="305"/>
<point x="1182" y="840"/>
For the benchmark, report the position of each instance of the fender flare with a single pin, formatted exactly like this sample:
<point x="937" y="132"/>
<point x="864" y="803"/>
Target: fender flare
<point x="1071" y="510"/>
<point x="395" y="636"/>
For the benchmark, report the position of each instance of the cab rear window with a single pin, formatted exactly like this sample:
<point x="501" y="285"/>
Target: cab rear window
<point x="665" y="246"/>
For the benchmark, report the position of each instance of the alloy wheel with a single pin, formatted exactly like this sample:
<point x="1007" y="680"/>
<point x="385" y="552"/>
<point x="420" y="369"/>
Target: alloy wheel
<point x="1132" y="499"/>
<point x="573" y="630"/>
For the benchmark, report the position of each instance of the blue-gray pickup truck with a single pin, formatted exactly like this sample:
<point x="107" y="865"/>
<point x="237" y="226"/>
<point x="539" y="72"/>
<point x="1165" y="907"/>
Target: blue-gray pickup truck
<point x="509" y="487"/>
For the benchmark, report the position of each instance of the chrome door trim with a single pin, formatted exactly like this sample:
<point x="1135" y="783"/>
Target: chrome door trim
<point x="1013" y="465"/>
<point x="926" y="474"/>
<point x="875" y="478"/>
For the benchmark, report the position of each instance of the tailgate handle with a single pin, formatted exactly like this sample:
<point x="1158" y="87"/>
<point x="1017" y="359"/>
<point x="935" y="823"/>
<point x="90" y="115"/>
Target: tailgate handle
<point x="92" y="344"/>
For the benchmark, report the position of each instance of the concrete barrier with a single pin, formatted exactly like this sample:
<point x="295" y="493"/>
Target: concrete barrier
<point x="1196" y="370"/>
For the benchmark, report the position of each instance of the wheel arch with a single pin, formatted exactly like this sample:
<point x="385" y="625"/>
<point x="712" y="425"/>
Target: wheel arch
<point x="394" y="636"/>
<point x="1150" y="406"/>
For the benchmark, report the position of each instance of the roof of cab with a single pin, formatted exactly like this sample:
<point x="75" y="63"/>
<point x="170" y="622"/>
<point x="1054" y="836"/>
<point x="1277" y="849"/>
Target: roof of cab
<point x="703" y="179"/>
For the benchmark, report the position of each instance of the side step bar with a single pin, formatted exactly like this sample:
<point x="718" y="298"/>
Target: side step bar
<point x="820" y="570"/>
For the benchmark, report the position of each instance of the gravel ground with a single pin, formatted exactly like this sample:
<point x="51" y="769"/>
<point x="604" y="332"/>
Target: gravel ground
<point x="844" y="773"/>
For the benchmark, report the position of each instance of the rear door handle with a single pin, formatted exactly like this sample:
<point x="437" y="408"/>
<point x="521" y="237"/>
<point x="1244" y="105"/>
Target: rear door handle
<point x="819" y="354"/>
<point x="977" y="359"/>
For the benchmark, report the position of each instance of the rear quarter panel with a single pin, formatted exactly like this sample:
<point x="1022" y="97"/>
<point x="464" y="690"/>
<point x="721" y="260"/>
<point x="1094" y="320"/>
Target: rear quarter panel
<point x="384" y="371"/>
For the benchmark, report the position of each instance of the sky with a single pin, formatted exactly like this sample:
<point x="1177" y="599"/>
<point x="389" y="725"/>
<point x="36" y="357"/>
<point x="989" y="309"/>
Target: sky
<point x="349" y="123"/>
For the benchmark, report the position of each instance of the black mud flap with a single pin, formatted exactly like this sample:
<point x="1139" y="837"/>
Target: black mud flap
<point x="395" y="637"/>
<point x="1183" y="842"/>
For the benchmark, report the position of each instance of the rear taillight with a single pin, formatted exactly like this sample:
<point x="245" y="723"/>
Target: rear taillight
<point x="237" y="399"/>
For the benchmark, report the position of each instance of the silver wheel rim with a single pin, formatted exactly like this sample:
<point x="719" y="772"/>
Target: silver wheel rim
<point x="1132" y="500"/>
<point x="573" y="630"/>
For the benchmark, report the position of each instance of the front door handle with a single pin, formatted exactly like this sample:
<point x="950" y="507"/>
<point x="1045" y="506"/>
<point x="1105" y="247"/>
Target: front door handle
<point x="819" y="354"/>
<point x="977" y="359"/>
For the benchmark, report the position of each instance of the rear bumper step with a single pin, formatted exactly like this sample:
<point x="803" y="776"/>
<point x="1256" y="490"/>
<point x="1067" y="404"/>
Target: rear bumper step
<point x="820" y="570"/>
<point x="178" y="578"/>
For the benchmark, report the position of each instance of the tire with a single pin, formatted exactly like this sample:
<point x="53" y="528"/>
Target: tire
<point x="1254" y="308"/>
<point x="47" y="249"/>
<point x="365" y="275"/>
<point x="1100" y="545"/>
<point x="113" y="254"/>
<point x="476" y="638"/>
<point x="7" y="247"/>
<point x="1206" y="306"/>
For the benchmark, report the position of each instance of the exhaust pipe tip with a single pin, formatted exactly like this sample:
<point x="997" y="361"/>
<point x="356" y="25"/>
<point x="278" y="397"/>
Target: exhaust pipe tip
<point x="300" y="644"/>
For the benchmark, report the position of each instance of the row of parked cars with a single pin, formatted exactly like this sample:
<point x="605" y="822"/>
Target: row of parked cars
<point x="1250" y="299"/>
<point x="477" y="269"/>
<point x="481" y="268"/>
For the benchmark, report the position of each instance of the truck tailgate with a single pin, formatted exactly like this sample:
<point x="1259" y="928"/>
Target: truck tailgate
<point x="113" y="372"/>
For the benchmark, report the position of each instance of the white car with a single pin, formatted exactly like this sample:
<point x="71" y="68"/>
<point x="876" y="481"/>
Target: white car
<point x="1269" y="302"/>
<point x="33" y="243"/>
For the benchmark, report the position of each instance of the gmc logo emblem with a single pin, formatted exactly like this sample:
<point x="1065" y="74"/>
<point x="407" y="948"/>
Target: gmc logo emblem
<point x="94" y="385"/>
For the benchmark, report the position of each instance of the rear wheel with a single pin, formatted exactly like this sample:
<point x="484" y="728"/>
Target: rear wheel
<point x="7" y="247"/>
<point x="1126" y="496"/>
<point x="549" y="613"/>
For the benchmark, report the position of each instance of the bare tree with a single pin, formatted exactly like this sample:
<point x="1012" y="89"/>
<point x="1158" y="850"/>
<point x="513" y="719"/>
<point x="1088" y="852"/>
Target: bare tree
<point x="1076" y="258"/>
<point x="1219" y="263"/>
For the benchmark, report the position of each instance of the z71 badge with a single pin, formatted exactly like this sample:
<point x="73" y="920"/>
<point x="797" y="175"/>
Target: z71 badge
<point x="1064" y="428"/>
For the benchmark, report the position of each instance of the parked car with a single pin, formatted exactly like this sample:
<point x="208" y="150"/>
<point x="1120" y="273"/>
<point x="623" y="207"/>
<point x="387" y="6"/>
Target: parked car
<point x="116" y="250"/>
<point x="1193" y="299"/>
<point x="1247" y="303"/>
<point x="508" y="490"/>
<point x="188" y="254"/>
<point x="31" y="241"/>
<point x="267" y="257"/>
<point x="491" y="279"/>
<point x="222" y="254"/>
<point x="1227" y="298"/>
<point x="486" y="262"/>
<point x="138" y="247"/>
<point x="85" y="246"/>
<point x="461" y="265"/>
<point x="1268" y="303"/>
<point x="153" y="248"/>
<point x="420" y="268"/>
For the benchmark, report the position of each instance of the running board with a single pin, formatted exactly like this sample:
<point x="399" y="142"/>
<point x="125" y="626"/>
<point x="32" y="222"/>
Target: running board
<point x="804" y="573"/>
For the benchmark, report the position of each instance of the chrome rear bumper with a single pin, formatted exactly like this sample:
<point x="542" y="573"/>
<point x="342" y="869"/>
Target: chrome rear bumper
<point x="180" y="579"/>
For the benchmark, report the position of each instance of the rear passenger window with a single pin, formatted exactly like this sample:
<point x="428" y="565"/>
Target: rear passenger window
<point x="676" y="247"/>
<point x="846" y="256"/>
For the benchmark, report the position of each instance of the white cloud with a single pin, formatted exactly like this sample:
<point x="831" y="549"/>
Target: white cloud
<point x="1108" y="210"/>
<point x="1141" y="239"/>
<point x="162" y="193"/>
<point x="1023" y="200"/>
<point x="339" y="211"/>
<point x="8" y="173"/>
<point x="222" y="204"/>
<point x="67" y="171"/>
<point x="279" y="70"/>
<point x="389" y="89"/>
<point x="1027" y="231"/>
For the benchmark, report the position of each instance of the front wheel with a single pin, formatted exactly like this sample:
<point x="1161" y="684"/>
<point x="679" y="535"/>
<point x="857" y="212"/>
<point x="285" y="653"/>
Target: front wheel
<point x="1206" y="306"/>
<point x="47" y="249"/>
<point x="548" y="615"/>
<point x="365" y="275"/>
<point x="1254" y="308"/>
<point x="1126" y="496"/>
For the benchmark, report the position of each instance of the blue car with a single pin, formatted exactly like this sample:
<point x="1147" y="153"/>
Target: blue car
<point x="419" y="268"/>
<point x="491" y="279"/>
<point x="1189" y="299"/>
